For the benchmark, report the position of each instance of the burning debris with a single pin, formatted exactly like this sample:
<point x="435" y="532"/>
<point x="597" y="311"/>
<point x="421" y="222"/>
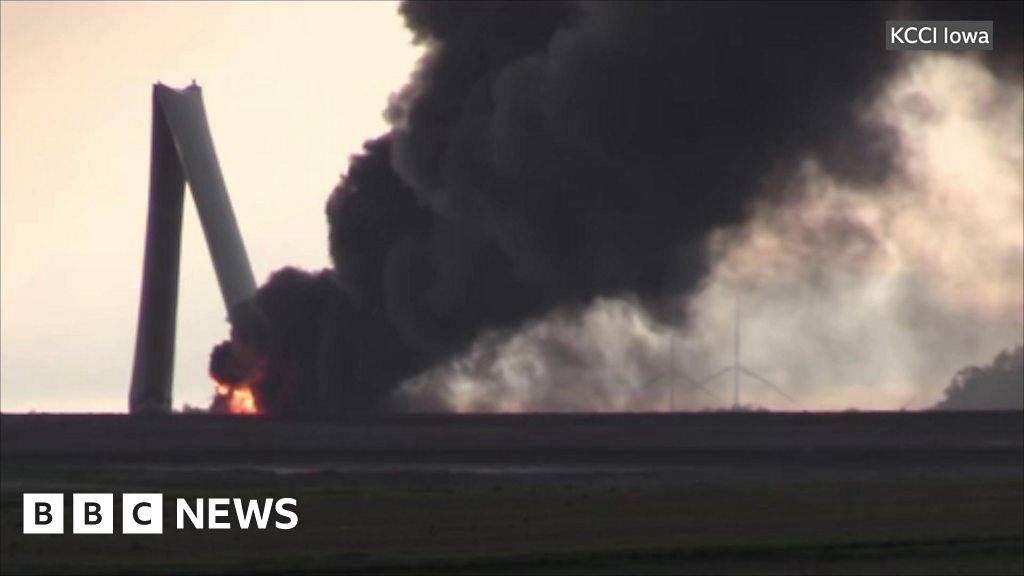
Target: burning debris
<point x="234" y="400"/>
<point x="544" y="155"/>
<point x="238" y="371"/>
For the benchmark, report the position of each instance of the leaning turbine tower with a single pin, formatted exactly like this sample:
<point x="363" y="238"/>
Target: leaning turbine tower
<point x="182" y="151"/>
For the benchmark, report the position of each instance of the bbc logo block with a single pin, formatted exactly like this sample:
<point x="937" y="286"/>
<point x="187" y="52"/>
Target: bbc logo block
<point x="43" y="514"/>
<point x="142" y="514"/>
<point x="92" y="513"/>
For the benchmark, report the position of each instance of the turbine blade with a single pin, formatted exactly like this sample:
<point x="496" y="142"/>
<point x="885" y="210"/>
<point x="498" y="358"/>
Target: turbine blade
<point x="721" y="372"/>
<point x="766" y="382"/>
<point x="704" y="389"/>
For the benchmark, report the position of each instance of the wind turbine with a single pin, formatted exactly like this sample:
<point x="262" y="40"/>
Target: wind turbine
<point x="181" y="151"/>
<point x="673" y="374"/>
<point x="737" y="368"/>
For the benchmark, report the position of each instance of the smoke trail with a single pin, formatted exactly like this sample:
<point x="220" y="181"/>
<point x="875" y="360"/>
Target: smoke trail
<point x="548" y="156"/>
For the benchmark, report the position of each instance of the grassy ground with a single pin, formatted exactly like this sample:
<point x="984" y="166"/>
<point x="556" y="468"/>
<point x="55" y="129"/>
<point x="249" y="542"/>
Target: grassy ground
<point x="920" y="510"/>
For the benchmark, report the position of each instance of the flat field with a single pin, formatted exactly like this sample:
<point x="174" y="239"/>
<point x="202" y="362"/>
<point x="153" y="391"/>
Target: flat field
<point x="627" y="493"/>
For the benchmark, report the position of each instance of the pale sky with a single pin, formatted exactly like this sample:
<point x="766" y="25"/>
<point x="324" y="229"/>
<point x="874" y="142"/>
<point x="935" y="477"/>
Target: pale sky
<point x="291" y="91"/>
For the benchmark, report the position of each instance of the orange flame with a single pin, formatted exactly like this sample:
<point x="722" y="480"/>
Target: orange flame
<point x="239" y="399"/>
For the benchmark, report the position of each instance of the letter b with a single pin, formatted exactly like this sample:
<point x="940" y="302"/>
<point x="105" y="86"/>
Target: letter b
<point x="92" y="514"/>
<point x="42" y="514"/>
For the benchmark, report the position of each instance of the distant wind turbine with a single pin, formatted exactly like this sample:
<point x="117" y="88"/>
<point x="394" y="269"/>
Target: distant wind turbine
<point x="737" y="368"/>
<point x="673" y="374"/>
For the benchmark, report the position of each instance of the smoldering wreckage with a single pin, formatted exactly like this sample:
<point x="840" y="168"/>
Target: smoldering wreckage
<point x="545" y="154"/>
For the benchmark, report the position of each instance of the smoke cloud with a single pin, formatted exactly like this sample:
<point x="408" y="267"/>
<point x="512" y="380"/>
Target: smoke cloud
<point x="998" y="386"/>
<point x="558" y="171"/>
<point x="849" y="297"/>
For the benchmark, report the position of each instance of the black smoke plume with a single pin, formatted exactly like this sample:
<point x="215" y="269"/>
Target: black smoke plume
<point x="998" y="386"/>
<point x="545" y="154"/>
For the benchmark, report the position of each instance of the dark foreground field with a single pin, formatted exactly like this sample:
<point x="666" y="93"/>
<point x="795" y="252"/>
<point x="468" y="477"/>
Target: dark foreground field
<point x="697" y="493"/>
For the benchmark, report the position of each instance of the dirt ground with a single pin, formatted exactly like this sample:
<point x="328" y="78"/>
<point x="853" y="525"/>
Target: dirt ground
<point x="655" y="493"/>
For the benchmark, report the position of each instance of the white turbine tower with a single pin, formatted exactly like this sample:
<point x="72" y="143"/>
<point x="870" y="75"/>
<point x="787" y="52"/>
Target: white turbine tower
<point x="674" y="374"/>
<point x="181" y="151"/>
<point x="738" y="369"/>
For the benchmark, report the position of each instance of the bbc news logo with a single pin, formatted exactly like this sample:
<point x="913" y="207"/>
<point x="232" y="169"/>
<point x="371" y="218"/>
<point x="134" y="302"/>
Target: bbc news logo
<point x="144" y="513"/>
<point x="939" y="35"/>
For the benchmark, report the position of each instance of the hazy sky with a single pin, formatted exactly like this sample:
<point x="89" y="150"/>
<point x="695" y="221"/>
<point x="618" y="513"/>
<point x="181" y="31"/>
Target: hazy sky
<point x="290" y="90"/>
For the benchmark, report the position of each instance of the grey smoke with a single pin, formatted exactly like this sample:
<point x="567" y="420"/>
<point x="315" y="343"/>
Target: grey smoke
<point x="996" y="386"/>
